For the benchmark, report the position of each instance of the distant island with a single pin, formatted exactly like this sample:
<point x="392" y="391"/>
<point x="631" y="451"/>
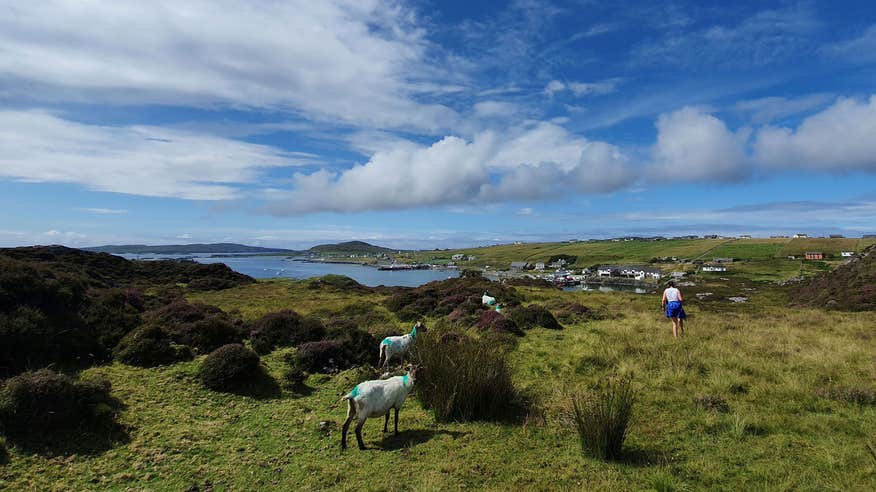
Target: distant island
<point x="343" y="249"/>
<point x="186" y="249"/>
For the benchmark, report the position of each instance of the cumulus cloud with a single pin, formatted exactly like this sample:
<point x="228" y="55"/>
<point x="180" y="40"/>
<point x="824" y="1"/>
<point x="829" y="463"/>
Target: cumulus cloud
<point x="693" y="145"/>
<point x="359" y="62"/>
<point x="137" y="160"/>
<point x="839" y="138"/>
<point x="533" y="162"/>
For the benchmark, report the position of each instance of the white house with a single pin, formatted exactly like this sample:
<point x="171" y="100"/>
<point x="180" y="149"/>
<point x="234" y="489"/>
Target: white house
<point x="457" y="257"/>
<point x="714" y="268"/>
<point x="847" y="253"/>
<point x="604" y="271"/>
<point x="539" y="265"/>
<point x="800" y="235"/>
<point x="677" y="274"/>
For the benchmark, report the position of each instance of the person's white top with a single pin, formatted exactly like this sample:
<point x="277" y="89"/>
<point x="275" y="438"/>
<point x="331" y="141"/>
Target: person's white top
<point x="671" y="294"/>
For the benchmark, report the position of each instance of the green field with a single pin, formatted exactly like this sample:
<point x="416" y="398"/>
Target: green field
<point x="766" y="361"/>
<point x="605" y="252"/>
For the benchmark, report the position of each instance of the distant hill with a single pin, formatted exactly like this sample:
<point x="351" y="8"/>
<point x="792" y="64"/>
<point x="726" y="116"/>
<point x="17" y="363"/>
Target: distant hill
<point x="350" y="247"/>
<point x="185" y="249"/>
<point x="849" y="287"/>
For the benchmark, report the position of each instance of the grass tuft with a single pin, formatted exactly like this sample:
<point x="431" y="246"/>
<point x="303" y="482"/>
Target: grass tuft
<point x="602" y="417"/>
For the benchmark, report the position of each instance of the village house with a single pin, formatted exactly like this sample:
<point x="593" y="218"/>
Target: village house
<point x="677" y="274"/>
<point x="800" y="235"/>
<point x="628" y="271"/>
<point x="539" y="265"/>
<point x="519" y="265"/>
<point x="713" y="268"/>
<point x="745" y="236"/>
<point x="457" y="257"/>
<point x="470" y="258"/>
<point x="847" y="253"/>
<point x="814" y="255"/>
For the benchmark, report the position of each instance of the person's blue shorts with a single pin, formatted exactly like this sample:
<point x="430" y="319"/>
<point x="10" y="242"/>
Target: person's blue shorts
<point x="674" y="310"/>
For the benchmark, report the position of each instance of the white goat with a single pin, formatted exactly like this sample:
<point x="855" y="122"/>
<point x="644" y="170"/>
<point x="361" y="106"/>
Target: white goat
<point x="375" y="398"/>
<point x="400" y="345"/>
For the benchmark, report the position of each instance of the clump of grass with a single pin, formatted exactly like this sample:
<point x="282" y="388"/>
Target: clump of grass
<point x="602" y="417"/>
<point x="714" y="403"/>
<point x="464" y="379"/>
<point x="528" y="317"/>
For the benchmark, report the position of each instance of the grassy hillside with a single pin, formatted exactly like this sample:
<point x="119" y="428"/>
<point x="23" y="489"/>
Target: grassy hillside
<point x="350" y="247"/>
<point x="784" y="375"/>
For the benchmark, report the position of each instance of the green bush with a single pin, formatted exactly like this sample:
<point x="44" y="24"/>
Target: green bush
<point x="149" y="346"/>
<point x="325" y="356"/>
<point x="44" y="401"/>
<point x="112" y="313"/>
<point x="358" y="347"/>
<point x="528" y="317"/>
<point x="231" y="368"/>
<point x="602" y="417"/>
<point x="463" y="379"/>
<point x="282" y="329"/>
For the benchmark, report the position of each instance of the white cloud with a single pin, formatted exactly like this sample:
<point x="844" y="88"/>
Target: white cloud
<point x="839" y="138"/>
<point x="861" y="49"/>
<point x="553" y="87"/>
<point x="494" y="109"/>
<point x="138" y="160"/>
<point x="359" y="62"/>
<point x="536" y="161"/>
<point x="580" y="89"/>
<point x="767" y="109"/>
<point x="526" y="211"/>
<point x="102" y="211"/>
<point x="695" y="146"/>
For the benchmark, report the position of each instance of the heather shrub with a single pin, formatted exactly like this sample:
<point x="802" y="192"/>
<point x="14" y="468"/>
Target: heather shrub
<point x="463" y="379"/>
<point x="326" y="356"/>
<point x="112" y="313"/>
<point x="858" y="396"/>
<point x="358" y="347"/>
<point x="573" y="312"/>
<point x="534" y="315"/>
<point x="232" y="368"/>
<point x="202" y="327"/>
<point x="487" y="319"/>
<point x="149" y="346"/>
<point x="284" y="328"/>
<point x="714" y="403"/>
<point x="43" y="401"/>
<point x="602" y="417"/>
<point x="506" y="325"/>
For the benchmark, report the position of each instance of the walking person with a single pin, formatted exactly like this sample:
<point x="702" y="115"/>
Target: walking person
<point x="672" y="300"/>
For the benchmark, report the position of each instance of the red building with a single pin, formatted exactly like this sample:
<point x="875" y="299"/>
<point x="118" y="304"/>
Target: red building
<point x="814" y="255"/>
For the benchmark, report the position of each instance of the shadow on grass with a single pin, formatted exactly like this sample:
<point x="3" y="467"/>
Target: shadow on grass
<point x="414" y="437"/>
<point x="263" y="387"/>
<point x="641" y="456"/>
<point x="85" y="441"/>
<point x="300" y="389"/>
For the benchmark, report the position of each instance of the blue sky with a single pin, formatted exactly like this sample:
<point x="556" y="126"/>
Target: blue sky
<point x="433" y="124"/>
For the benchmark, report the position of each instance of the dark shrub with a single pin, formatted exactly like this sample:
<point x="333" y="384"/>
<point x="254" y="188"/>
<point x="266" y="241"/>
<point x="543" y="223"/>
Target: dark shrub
<point x="534" y="315"/>
<point x="4" y="453"/>
<point x="293" y="377"/>
<point x="284" y="328"/>
<point x="231" y="368"/>
<point x="488" y="318"/>
<point x="358" y="347"/>
<point x="573" y="312"/>
<point x="324" y="357"/>
<point x="112" y="313"/>
<point x="149" y="346"/>
<point x="505" y="325"/>
<point x="212" y="283"/>
<point x="336" y="282"/>
<point x="602" y="417"/>
<point x="36" y="402"/>
<point x="465" y="381"/>
<point x="714" y="403"/>
<point x="400" y="300"/>
<point x="530" y="282"/>
<point x="202" y="327"/>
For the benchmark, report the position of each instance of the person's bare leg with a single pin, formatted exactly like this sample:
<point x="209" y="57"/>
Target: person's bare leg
<point x="680" y="327"/>
<point x="674" y="327"/>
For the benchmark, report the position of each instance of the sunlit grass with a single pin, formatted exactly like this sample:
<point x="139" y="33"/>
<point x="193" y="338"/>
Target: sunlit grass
<point x="766" y="360"/>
